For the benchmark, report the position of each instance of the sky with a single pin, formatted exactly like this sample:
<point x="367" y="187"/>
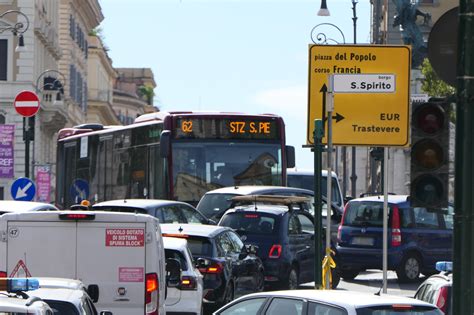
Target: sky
<point x="246" y="56"/>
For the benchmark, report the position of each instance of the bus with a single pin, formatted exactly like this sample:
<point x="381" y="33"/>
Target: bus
<point x="170" y="155"/>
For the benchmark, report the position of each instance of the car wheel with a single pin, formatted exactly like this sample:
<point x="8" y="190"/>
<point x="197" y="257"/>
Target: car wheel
<point x="349" y="274"/>
<point x="260" y="281"/>
<point x="410" y="268"/>
<point x="336" y="277"/>
<point x="293" y="279"/>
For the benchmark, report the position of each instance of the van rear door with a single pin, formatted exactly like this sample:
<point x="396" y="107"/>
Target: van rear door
<point x="112" y="255"/>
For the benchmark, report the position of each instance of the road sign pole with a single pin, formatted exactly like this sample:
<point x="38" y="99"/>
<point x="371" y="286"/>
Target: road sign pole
<point x="330" y="108"/>
<point x="385" y="220"/>
<point x="318" y="135"/>
<point x="26" y="135"/>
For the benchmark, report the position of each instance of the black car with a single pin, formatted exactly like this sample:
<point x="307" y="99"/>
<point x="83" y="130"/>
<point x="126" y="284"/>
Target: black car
<point x="230" y="269"/>
<point x="167" y="211"/>
<point x="283" y="232"/>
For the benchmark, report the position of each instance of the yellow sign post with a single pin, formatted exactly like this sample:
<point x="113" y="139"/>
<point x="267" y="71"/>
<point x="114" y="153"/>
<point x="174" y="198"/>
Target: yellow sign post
<point x="371" y="103"/>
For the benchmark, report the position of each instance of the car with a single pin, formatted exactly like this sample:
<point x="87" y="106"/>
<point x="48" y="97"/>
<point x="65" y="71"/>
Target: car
<point x="230" y="269"/>
<point x="16" y="300"/>
<point x="326" y="302"/>
<point x="66" y="296"/>
<point x="186" y="297"/>
<point x="437" y="289"/>
<point x="7" y="206"/>
<point x="304" y="178"/>
<point x="214" y="203"/>
<point x="167" y="211"/>
<point x="282" y="231"/>
<point x="417" y="237"/>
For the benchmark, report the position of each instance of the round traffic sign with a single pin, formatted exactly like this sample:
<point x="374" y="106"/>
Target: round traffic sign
<point x="26" y="103"/>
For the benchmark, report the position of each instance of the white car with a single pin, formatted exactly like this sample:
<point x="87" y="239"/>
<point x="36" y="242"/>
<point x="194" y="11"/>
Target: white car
<point x="187" y="296"/>
<point x="17" y="300"/>
<point x="66" y="296"/>
<point x="326" y="302"/>
<point x="7" y="206"/>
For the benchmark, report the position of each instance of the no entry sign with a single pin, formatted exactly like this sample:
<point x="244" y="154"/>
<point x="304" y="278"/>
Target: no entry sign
<point x="26" y="103"/>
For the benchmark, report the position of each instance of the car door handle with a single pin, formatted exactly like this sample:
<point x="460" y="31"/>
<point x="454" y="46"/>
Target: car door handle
<point x="121" y="299"/>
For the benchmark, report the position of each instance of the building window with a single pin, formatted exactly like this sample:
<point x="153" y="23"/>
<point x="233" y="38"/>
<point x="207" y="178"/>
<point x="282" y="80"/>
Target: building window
<point x="72" y="27"/>
<point x="3" y="59"/>
<point x="2" y="119"/>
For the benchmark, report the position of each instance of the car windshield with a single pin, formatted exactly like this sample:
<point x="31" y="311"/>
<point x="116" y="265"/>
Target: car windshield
<point x="250" y="222"/>
<point x="214" y="204"/>
<point x="120" y="209"/>
<point x="307" y="182"/>
<point x="398" y="309"/>
<point x="200" y="246"/>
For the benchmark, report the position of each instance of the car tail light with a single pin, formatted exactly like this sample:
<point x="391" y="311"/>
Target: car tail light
<point x="396" y="232"/>
<point x="151" y="294"/>
<point x="214" y="268"/>
<point x="3" y="274"/>
<point x="275" y="251"/>
<point x="442" y="302"/>
<point x="188" y="283"/>
<point x="339" y="228"/>
<point x="402" y="307"/>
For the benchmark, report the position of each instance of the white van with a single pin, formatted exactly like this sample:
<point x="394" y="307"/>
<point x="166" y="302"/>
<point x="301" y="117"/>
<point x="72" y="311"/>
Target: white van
<point x="118" y="256"/>
<point x="305" y="179"/>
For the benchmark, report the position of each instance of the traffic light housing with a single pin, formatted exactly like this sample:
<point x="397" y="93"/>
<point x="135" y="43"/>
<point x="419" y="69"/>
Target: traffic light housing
<point x="429" y="173"/>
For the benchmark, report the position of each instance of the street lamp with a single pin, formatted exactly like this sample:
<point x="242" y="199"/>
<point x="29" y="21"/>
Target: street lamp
<point x="53" y="85"/>
<point x="325" y="12"/>
<point x="17" y="29"/>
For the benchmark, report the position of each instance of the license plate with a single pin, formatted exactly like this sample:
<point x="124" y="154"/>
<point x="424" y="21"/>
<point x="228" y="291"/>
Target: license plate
<point x="362" y="241"/>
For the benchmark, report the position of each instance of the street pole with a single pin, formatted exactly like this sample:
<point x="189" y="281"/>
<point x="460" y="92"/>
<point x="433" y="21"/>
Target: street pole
<point x="353" y="157"/>
<point x="385" y="222"/>
<point x="463" y="268"/>
<point x="26" y="138"/>
<point x="318" y="134"/>
<point x="330" y="109"/>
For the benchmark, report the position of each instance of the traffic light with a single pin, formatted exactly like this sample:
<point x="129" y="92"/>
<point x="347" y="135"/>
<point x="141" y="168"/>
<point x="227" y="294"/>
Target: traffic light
<point x="430" y="154"/>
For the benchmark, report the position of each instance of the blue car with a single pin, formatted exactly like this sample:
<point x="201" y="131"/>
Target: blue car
<point x="417" y="237"/>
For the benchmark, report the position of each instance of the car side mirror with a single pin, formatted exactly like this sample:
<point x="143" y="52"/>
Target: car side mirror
<point x="202" y="263"/>
<point x="93" y="291"/>
<point x="347" y="199"/>
<point x="173" y="272"/>
<point x="252" y="249"/>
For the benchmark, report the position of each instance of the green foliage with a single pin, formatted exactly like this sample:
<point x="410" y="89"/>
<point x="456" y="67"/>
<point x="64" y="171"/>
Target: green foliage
<point x="435" y="87"/>
<point x="432" y="84"/>
<point x="147" y="92"/>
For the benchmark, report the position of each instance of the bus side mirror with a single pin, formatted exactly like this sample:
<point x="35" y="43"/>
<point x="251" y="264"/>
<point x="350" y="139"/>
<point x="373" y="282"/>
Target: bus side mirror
<point x="165" y="140"/>
<point x="290" y="156"/>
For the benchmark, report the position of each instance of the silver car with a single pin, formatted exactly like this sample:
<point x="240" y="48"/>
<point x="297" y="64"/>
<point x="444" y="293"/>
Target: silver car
<point x="326" y="302"/>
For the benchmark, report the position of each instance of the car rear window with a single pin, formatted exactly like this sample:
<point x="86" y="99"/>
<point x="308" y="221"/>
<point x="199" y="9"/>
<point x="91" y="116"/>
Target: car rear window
<point x="250" y="222"/>
<point x="399" y="309"/>
<point x="120" y="209"/>
<point x="200" y="246"/>
<point x="363" y="213"/>
<point x="61" y="307"/>
<point x="214" y="204"/>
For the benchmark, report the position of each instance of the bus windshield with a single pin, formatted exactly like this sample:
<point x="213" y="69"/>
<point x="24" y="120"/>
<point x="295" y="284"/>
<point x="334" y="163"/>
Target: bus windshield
<point x="200" y="166"/>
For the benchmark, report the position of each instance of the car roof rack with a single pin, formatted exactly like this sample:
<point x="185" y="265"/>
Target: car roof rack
<point x="375" y="193"/>
<point x="269" y="199"/>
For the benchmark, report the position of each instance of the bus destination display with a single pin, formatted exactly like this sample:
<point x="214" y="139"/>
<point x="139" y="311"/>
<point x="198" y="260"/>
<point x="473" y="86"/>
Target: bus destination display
<point x="209" y="128"/>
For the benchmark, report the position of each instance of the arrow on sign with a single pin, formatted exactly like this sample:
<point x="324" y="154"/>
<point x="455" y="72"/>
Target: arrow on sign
<point x="338" y="117"/>
<point x="324" y="89"/>
<point x="21" y="192"/>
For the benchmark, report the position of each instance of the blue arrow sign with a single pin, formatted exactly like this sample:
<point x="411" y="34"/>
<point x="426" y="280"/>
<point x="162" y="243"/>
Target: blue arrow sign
<point x="79" y="190"/>
<point x="23" y="189"/>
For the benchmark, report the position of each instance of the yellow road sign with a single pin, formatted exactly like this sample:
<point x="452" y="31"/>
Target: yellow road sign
<point x="365" y="113"/>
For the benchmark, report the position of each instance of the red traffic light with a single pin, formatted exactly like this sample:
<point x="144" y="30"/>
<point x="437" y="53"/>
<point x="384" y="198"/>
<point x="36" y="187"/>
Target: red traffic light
<point x="430" y="118"/>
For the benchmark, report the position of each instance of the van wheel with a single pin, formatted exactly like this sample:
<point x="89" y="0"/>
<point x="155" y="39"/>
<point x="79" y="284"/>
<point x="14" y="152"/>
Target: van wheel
<point x="409" y="269"/>
<point x="349" y="274"/>
<point x="293" y="279"/>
